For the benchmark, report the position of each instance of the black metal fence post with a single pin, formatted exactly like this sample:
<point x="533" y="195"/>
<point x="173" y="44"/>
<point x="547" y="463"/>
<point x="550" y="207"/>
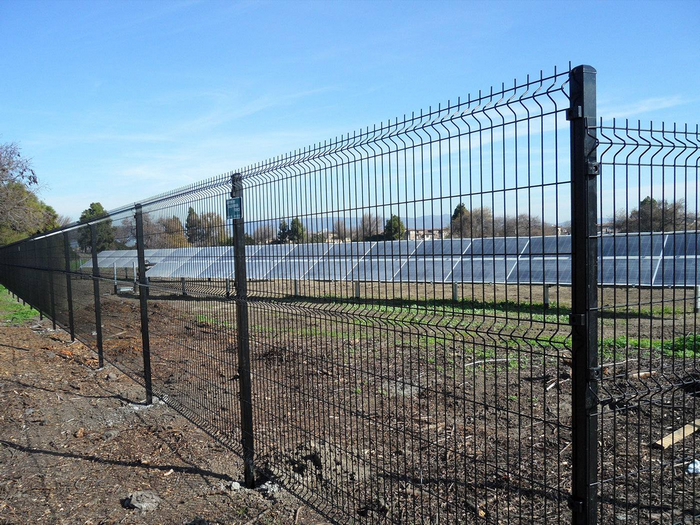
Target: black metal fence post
<point x="52" y="297"/>
<point x="584" y="318"/>
<point x="69" y="288"/>
<point x="241" y="285"/>
<point x="96" y="291"/>
<point x="143" y="301"/>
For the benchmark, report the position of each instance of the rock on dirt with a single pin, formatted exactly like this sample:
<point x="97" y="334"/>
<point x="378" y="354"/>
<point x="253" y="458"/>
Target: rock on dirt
<point x="110" y="434"/>
<point x="143" y="500"/>
<point x="269" y="489"/>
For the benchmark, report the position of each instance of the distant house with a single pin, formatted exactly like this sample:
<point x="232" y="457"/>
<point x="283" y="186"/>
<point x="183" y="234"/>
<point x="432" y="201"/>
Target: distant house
<point x="424" y="234"/>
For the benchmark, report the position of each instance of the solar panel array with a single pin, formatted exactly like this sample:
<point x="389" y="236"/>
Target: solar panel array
<point x="639" y="259"/>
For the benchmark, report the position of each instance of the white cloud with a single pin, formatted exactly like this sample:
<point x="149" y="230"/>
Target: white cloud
<point x="640" y="107"/>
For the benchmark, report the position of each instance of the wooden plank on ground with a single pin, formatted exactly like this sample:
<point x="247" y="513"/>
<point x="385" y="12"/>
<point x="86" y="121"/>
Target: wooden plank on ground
<point x="678" y="435"/>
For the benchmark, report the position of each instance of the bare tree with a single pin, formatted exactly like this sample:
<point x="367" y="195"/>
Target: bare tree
<point x="476" y="222"/>
<point x="371" y="226"/>
<point x="264" y="234"/>
<point x="654" y="215"/>
<point x="523" y="225"/>
<point x="341" y="230"/>
<point x="17" y="178"/>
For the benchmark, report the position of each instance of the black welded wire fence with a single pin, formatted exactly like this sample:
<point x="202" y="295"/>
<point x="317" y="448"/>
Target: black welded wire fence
<point x="649" y="336"/>
<point x="418" y="337"/>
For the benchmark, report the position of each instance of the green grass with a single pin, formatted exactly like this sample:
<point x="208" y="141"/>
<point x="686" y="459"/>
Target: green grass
<point x="444" y="307"/>
<point x="524" y="310"/>
<point x="12" y="312"/>
<point x="401" y="311"/>
<point x="212" y="321"/>
<point x="688" y="346"/>
<point x="682" y="346"/>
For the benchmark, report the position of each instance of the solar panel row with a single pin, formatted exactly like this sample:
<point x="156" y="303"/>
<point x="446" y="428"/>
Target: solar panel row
<point x="626" y="260"/>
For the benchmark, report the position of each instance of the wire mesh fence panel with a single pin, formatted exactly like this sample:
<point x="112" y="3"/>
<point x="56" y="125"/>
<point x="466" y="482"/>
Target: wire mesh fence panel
<point x="420" y="384"/>
<point x="458" y="316"/>
<point x="649" y="343"/>
<point x="191" y="316"/>
<point x="119" y="302"/>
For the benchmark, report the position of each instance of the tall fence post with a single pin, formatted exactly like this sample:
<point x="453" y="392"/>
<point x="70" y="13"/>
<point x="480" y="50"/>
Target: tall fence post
<point x="69" y="288"/>
<point x="243" y="335"/>
<point x="96" y="292"/>
<point x="143" y="302"/>
<point x="52" y="297"/>
<point x="584" y="311"/>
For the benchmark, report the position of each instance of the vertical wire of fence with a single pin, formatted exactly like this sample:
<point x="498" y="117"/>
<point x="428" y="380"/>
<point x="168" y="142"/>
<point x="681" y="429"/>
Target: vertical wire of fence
<point x="401" y="324"/>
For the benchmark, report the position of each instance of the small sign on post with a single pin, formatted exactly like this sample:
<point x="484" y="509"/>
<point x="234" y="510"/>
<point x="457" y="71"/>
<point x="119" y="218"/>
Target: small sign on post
<point x="233" y="208"/>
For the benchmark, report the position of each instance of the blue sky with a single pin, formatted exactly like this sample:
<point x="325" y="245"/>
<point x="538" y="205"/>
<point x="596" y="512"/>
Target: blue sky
<point x="117" y="101"/>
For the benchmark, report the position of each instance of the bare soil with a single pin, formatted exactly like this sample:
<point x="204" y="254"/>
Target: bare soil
<point x="410" y="418"/>
<point x="75" y="441"/>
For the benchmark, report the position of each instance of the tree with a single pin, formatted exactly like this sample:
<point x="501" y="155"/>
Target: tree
<point x="341" y="231"/>
<point x="460" y="223"/>
<point x="394" y="229"/>
<point x="297" y="232"/>
<point x="264" y="234"/>
<point x="38" y="216"/>
<point x="317" y="237"/>
<point x="170" y="233"/>
<point x="370" y="227"/>
<point x="283" y="232"/>
<point x="474" y="223"/>
<point x="125" y="233"/>
<point x="23" y="213"/>
<point x="212" y="230"/>
<point x="523" y="225"/>
<point x="104" y="230"/>
<point x="248" y="239"/>
<point x="656" y="216"/>
<point x="193" y="227"/>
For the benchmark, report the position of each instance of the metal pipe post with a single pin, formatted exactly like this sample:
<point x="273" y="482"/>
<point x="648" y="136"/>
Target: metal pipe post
<point x="243" y="336"/>
<point x="584" y="286"/>
<point x="52" y="297"/>
<point x="69" y="288"/>
<point x="96" y="291"/>
<point x="143" y="303"/>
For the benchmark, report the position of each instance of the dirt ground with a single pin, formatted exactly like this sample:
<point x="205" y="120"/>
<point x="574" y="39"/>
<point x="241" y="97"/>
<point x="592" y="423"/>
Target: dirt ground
<point x="413" y="416"/>
<point x="76" y="441"/>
